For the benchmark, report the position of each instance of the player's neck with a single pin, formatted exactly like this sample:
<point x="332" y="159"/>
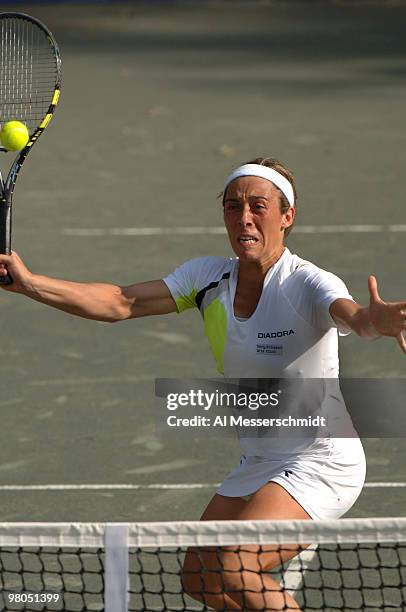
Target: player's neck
<point x="255" y="271"/>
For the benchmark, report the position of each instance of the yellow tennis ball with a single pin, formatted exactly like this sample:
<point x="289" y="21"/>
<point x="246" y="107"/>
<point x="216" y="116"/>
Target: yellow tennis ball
<point x="14" y="135"/>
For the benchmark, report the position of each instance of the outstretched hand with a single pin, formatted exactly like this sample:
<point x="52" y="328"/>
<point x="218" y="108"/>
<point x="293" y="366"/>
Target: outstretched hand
<point x="13" y="265"/>
<point x="388" y="318"/>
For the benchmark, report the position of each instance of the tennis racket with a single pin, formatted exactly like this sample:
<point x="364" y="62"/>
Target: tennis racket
<point x="30" y="78"/>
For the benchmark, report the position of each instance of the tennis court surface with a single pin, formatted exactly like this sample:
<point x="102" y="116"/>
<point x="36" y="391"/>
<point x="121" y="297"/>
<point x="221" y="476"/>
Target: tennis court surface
<point x="158" y="104"/>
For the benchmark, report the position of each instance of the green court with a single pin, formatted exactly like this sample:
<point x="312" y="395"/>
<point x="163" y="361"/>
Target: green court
<point x="159" y="103"/>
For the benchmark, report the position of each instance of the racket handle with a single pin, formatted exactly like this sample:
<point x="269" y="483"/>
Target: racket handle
<point x="5" y="237"/>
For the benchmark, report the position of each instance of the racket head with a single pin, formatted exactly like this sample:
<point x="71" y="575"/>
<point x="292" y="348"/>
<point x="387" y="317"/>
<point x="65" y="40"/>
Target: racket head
<point x="30" y="71"/>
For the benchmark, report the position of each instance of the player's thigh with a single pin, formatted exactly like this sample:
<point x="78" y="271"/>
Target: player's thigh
<point x="204" y="564"/>
<point x="222" y="508"/>
<point x="271" y="502"/>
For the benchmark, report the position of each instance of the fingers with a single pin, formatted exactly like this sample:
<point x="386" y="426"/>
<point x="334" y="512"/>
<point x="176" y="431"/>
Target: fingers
<point x="373" y="289"/>
<point x="11" y="265"/>
<point x="399" y="310"/>
<point x="402" y="343"/>
<point x="4" y="260"/>
<point x="3" y="269"/>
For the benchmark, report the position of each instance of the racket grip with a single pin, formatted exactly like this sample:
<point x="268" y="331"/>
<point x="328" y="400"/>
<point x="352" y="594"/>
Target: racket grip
<point x="5" y="237"/>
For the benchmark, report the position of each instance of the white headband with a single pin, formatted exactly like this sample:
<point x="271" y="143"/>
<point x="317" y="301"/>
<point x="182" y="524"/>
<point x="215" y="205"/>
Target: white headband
<point x="267" y="173"/>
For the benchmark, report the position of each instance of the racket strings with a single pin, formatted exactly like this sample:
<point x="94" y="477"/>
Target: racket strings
<point x="28" y="72"/>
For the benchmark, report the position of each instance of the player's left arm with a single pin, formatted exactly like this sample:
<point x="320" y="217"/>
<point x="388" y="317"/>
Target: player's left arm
<point x="378" y="319"/>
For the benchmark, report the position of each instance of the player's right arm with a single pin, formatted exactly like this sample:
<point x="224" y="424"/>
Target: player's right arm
<point x="98" y="301"/>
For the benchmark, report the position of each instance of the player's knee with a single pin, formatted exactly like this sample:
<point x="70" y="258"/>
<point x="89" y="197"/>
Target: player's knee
<point x="232" y="582"/>
<point x="191" y="575"/>
<point x="232" y="570"/>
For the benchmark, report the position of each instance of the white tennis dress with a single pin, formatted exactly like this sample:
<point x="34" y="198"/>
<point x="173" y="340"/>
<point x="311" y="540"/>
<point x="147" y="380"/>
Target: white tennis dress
<point x="291" y="334"/>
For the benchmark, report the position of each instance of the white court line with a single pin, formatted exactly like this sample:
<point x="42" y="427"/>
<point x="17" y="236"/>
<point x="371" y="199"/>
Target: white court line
<point x="293" y="576"/>
<point x="91" y="381"/>
<point x="193" y="231"/>
<point x="157" y="486"/>
<point x="143" y="231"/>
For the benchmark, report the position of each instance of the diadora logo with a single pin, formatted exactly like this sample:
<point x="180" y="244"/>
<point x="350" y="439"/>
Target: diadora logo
<point x="277" y="334"/>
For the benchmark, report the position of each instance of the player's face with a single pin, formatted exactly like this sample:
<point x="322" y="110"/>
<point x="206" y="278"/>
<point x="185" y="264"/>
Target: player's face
<point x="253" y="220"/>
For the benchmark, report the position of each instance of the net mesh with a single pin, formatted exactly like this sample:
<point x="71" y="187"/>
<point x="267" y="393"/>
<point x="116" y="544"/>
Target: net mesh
<point x="351" y="565"/>
<point x="357" y="577"/>
<point x="29" y="71"/>
<point x="66" y="579"/>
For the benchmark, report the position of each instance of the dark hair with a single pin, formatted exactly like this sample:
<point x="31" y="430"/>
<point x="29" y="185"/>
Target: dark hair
<point x="275" y="164"/>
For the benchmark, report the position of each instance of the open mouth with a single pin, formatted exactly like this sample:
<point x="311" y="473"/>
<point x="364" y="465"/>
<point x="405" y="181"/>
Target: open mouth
<point x="247" y="240"/>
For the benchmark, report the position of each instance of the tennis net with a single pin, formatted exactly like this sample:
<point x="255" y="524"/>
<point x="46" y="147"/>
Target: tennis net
<point x="351" y="564"/>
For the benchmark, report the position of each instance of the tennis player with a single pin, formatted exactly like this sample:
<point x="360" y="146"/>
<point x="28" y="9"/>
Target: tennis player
<point x="266" y="292"/>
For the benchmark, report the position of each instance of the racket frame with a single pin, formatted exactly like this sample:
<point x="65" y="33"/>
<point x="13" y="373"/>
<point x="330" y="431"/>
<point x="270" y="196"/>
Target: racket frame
<point x="7" y="186"/>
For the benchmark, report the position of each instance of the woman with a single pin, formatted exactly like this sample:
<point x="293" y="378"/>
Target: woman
<point x="265" y="291"/>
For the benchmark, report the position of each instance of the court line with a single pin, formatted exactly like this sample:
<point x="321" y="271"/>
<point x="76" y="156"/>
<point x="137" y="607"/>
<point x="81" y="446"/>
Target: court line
<point x="220" y="230"/>
<point x="292" y="579"/>
<point x="92" y="380"/>
<point x="155" y="486"/>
